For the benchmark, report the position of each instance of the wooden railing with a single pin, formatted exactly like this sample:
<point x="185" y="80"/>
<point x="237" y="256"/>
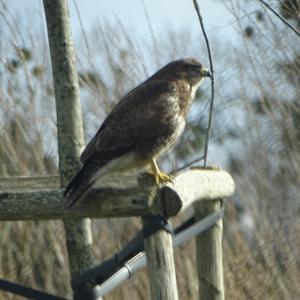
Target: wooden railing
<point x="41" y="199"/>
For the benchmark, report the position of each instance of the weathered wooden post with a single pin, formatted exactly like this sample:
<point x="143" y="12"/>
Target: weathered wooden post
<point x="161" y="267"/>
<point x="209" y="254"/>
<point x="69" y="125"/>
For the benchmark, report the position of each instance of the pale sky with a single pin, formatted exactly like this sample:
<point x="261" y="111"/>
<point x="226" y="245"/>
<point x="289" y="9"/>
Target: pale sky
<point x="163" y="14"/>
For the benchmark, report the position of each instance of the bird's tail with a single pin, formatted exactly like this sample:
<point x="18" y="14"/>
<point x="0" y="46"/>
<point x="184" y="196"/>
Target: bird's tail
<point x="78" y="185"/>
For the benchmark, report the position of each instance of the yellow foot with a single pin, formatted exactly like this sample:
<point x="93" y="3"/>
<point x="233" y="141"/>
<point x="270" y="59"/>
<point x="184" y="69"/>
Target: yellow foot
<point x="160" y="177"/>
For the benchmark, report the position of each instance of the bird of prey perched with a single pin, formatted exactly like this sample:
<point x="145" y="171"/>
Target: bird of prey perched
<point x="144" y="124"/>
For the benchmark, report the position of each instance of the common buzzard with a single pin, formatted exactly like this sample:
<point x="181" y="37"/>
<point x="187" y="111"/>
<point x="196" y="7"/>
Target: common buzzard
<point x="144" y="124"/>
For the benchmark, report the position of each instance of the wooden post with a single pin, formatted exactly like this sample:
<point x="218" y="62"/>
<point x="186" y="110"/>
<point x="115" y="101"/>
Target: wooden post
<point x="69" y="125"/>
<point x="161" y="267"/>
<point x="209" y="254"/>
<point x="160" y="261"/>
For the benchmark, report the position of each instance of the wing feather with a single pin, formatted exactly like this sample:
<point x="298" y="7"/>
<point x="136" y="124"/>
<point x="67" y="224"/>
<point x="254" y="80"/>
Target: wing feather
<point x="130" y="121"/>
<point x="128" y="124"/>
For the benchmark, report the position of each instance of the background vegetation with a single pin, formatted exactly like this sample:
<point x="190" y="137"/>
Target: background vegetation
<point x="256" y="132"/>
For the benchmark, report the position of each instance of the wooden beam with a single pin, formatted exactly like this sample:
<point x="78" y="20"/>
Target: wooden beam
<point x="43" y="203"/>
<point x="23" y="184"/>
<point x="198" y="184"/>
<point x="209" y="254"/>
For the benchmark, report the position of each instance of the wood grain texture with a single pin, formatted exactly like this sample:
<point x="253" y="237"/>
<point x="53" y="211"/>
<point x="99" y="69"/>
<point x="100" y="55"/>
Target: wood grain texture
<point x="23" y="184"/>
<point x="161" y="266"/>
<point x="202" y="185"/>
<point x="209" y="254"/>
<point x="49" y="204"/>
<point x="34" y="198"/>
<point x="69" y="125"/>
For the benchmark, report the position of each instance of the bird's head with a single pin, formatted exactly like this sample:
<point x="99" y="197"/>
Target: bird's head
<point x="188" y="69"/>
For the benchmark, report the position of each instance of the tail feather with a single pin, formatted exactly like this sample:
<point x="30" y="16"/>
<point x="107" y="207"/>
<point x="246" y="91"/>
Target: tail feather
<point x="78" y="185"/>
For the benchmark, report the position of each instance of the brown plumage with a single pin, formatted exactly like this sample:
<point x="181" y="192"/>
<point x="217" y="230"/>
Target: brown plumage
<point x="143" y="125"/>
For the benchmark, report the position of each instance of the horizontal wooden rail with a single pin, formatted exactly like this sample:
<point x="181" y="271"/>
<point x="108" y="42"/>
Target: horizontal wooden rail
<point x="29" y="183"/>
<point x="198" y="184"/>
<point x="35" y="201"/>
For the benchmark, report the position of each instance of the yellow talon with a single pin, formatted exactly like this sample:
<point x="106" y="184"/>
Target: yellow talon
<point x="160" y="177"/>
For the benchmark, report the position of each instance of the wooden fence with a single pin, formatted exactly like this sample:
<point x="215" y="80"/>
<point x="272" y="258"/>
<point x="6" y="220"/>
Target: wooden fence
<point x="41" y="198"/>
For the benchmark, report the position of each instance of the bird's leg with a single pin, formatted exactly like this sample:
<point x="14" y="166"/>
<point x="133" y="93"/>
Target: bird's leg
<point x="159" y="176"/>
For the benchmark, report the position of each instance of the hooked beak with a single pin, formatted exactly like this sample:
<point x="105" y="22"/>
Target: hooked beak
<point x="205" y="73"/>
